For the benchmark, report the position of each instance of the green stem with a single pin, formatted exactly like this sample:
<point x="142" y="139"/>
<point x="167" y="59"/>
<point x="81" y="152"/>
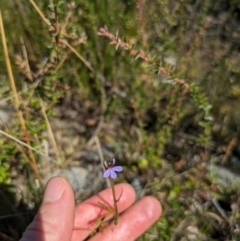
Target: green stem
<point x="114" y="202"/>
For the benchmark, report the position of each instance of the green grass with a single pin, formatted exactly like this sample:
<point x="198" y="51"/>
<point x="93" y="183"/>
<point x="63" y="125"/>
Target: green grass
<point x="156" y="81"/>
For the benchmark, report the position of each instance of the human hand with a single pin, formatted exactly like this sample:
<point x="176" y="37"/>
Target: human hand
<point x="58" y="219"/>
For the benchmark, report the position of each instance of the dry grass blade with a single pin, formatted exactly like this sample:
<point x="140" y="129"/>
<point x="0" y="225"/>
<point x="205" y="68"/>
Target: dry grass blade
<point x="16" y="99"/>
<point x="40" y="12"/>
<point x="50" y="132"/>
<point x="22" y="143"/>
<point x="100" y="153"/>
<point x="87" y="64"/>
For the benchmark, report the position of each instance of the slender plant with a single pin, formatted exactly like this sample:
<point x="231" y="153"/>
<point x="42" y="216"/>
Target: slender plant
<point x="111" y="174"/>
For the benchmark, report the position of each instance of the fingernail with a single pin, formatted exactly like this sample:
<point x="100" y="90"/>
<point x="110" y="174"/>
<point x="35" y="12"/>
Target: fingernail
<point x="54" y="190"/>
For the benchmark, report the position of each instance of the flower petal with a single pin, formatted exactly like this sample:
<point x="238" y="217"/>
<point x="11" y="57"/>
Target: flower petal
<point x="113" y="174"/>
<point x="113" y="161"/>
<point x="107" y="173"/>
<point x="117" y="168"/>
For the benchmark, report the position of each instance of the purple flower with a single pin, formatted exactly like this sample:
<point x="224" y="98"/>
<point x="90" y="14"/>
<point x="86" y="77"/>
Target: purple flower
<point x="111" y="169"/>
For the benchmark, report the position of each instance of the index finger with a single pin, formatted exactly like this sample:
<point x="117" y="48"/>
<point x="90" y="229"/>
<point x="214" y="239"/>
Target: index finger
<point x="89" y="211"/>
<point x="133" y="222"/>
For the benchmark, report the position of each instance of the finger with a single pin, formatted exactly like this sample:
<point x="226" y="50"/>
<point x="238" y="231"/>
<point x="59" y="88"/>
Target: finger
<point x="89" y="211"/>
<point x="55" y="217"/>
<point x="134" y="222"/>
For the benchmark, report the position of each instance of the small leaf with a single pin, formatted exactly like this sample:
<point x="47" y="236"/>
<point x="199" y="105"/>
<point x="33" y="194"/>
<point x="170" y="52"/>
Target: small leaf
<point x="51" y="6"/>
<point x="60" y="3"/>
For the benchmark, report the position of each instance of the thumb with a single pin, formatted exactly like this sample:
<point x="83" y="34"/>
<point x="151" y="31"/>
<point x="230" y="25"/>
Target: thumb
<point x="55" y="217"/>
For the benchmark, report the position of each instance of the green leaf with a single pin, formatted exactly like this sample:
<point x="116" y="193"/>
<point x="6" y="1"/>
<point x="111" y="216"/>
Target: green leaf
<point x="60" y="3"/>
<point x="51" y="6"/>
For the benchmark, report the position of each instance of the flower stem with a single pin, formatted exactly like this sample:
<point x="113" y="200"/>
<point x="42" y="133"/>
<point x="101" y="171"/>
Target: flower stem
<point x="115" y="214"/>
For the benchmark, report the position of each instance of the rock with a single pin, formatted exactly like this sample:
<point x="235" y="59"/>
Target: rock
<point x="75" y="175"/>
<point x="137" y="187"/>
<point x="4" y="117"/>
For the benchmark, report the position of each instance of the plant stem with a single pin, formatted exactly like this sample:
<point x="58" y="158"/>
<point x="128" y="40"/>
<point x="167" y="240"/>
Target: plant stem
<point x="114" y="202"/>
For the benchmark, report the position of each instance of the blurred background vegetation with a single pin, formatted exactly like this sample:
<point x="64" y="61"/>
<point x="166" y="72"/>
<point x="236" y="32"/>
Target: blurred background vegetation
<point x="156" y="81"/>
